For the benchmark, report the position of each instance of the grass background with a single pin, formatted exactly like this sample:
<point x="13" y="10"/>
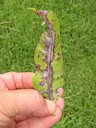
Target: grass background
<point x="20" y="31"/>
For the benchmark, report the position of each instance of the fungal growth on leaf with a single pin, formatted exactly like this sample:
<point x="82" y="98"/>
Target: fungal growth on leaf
<point x="48" y="57"/>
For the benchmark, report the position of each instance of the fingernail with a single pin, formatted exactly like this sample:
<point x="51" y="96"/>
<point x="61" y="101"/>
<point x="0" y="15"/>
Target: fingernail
<point x="51" y="106"/>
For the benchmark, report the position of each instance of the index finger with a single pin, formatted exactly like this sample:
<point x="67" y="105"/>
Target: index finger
<point x="13" y="80"/>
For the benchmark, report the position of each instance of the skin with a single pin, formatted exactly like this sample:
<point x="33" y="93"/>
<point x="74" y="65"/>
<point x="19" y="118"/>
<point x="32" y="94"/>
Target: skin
<point x="19" y="108"/>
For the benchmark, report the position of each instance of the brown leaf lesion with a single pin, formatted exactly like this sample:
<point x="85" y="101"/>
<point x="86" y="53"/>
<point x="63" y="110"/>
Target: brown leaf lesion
<point x="49" y="57"/>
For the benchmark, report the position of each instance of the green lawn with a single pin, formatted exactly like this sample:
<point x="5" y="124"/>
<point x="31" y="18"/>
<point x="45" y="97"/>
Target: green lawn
<point x="19" y="33"/>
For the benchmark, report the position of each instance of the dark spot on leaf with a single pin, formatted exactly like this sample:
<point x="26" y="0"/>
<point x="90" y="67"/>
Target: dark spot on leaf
<point x="43" y="60"/>
<point x="41" y="83"/>
<point x="58" y="56"/>
<point x="38" y="66"/>
<point x="58" y="53"/>
<point x="38" y="55"/>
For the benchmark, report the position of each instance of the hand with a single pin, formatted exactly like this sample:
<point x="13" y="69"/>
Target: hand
<point x="23" y="107"/>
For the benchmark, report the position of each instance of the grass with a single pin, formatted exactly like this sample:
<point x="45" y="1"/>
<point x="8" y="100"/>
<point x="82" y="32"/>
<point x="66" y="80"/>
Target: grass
<point x="20" y="31"/>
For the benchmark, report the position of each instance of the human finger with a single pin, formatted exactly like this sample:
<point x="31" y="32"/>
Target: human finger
<point x="13" y="80"/>
<point x="23" y="102"/>
<point x="59" y="103"/>
<point x="45" y="122"/>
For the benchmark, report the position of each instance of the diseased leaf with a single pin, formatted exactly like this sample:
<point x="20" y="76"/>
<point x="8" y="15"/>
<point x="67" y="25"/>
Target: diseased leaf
<point x="48" y="58"/>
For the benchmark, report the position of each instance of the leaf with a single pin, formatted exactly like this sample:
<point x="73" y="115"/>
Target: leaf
<point x="48" y="58"/>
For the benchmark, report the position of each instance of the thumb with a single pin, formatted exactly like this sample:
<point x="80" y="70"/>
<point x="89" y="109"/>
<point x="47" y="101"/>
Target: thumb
<point x="23" y="102"/>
